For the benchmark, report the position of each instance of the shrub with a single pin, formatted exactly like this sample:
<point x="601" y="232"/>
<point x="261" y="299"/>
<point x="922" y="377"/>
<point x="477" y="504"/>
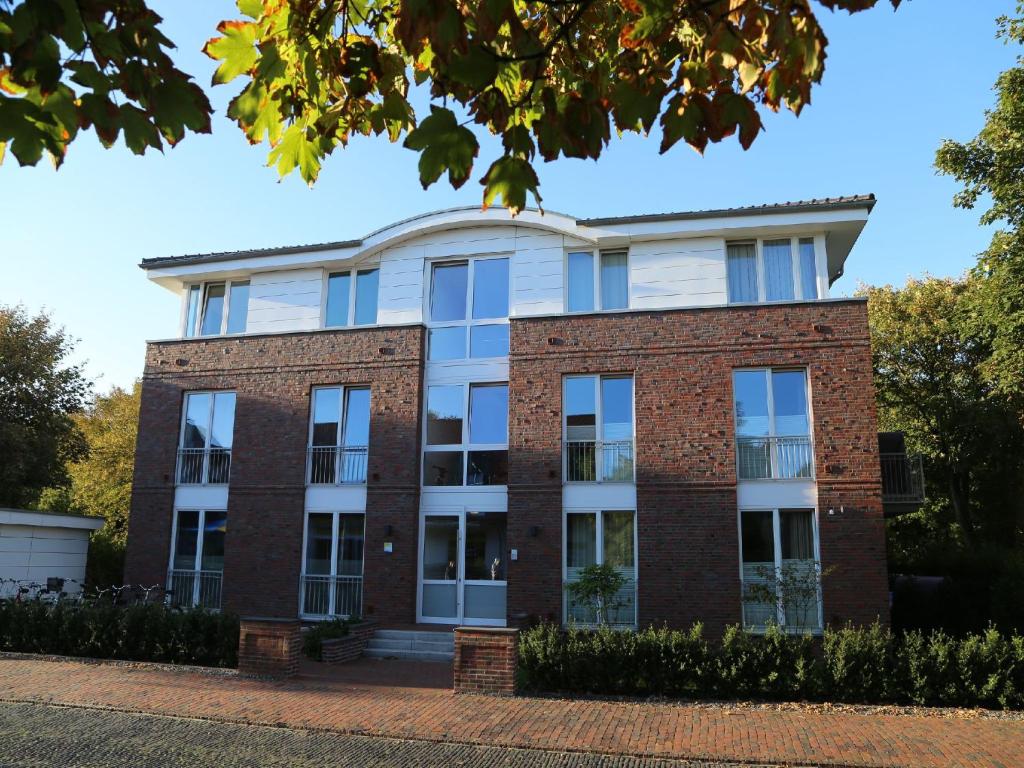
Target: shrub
<point x="857" y="662"/>
<point x="138" y="632"/>
<point x="313" y="638"/>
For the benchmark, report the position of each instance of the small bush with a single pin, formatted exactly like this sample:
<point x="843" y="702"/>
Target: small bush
<point x="867" y="665"/>
<point x="139" y="632"/>
<point x="313" y="638"/>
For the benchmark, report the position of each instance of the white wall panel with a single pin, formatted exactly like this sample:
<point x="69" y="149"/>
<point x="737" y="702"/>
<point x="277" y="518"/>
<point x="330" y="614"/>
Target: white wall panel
<point x="677" y="273"/>
<point x="537" y="274"/>
<point x="31" y="553"/>
<point x="401" y="285"/>
<point x="285" y="301"/>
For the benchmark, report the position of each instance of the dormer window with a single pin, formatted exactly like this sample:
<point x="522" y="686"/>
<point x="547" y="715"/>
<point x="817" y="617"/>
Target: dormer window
<point x="780" y="269"/>
<point x="217" y="308"/>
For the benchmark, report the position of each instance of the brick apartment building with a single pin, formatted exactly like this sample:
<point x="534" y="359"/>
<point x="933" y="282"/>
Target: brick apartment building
<point x="444" y="421"/>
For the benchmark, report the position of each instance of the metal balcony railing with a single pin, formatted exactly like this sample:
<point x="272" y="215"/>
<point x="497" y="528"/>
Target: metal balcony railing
<point x="337" y="464"/>
<point x="597" y="461"/>
<point x="902" y="479"/>
<point x="332" y="596"/>
<point x="204" y="466"/>
<point x="187" y="588"/>
<point x="775" y="458"/>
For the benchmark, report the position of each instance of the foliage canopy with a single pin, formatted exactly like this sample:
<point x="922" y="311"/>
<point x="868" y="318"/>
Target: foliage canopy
<point x="552" y="78"/>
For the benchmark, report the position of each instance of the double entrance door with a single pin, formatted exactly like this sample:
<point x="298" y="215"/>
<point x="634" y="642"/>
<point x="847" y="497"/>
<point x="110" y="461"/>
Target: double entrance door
<point x="463" y="567"/>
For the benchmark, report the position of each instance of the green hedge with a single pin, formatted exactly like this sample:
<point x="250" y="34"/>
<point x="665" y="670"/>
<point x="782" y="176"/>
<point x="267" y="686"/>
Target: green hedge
<point x="867" y="665"/>
<point x="142" y="632"/>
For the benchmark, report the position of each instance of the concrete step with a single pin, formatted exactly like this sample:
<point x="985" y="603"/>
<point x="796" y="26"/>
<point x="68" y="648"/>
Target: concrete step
<point x="408" y="655"/>
<point x="404" y="634"/>
<point x="409" y="644"/>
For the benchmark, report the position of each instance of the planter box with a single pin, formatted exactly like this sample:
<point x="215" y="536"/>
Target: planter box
<point x="338" y="650"/>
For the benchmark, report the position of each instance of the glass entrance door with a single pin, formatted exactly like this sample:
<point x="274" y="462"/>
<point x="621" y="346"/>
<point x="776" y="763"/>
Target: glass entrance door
<point x="463" y="568"/>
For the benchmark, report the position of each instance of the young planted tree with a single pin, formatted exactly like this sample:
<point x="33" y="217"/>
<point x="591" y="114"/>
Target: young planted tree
<point x="40" y="392"/>
<point x="552" y="78"/>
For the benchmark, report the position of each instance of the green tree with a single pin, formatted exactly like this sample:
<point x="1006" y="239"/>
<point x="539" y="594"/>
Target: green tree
<point x="550" y="77"/>
<point x="991" y="169"/>
<point x="40" y="391"/>
<point x="929" y="385"/>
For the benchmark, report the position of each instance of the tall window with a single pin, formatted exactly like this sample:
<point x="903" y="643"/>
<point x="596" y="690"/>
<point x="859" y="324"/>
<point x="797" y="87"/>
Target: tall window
<point x="332" y="569"/>
<point x="595" y="538"/>
<point x="604" y="286"/>
<point x="773" y="426"/>
<point x="781" y="269"/>
<point x="352" y="298"/>
<point x="339" y="435"/>
<point x="598" y="428"/>
<point x="463" y="450"/>
<point x="204" y="448"/>
<point x="197" y="560"/>
<point x="780" y="568"/>
<point x="217" y="308"/>
<point x="468" y="309"/>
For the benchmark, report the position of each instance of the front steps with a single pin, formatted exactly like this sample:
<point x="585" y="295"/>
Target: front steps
<point x="411" y="645"/>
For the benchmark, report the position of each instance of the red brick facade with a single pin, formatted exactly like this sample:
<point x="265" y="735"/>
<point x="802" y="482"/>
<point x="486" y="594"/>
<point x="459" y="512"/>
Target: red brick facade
<point x="682" y="363"/>
<point x="485" y="660"/>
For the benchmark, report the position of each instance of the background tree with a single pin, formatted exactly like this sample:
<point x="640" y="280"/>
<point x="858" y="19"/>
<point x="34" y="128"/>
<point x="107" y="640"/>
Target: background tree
<point x="991" y="169"/>
<point x="40" y="391"/>
<point x="101" y="481"/>
<point x="551" y="77"/>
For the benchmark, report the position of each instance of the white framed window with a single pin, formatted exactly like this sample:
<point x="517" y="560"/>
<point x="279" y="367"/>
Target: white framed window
<point x="216" y="308"/>
<point x="780" y="568"/>
<point x="196" y="572"/>
<point x="332" y="565"/>
<point x="339" y="435"/>
<point x="772" y="269"/>
<point x="351" y="297"/>
<point x="597" y="427"/>
<point x="597" y="537"/>
<point x="596" y="282"/>
<point x="466" y="435"/>
<point x="205" y="439"/>
<point x="774" y="438"/>
<point x="467" y="309"/>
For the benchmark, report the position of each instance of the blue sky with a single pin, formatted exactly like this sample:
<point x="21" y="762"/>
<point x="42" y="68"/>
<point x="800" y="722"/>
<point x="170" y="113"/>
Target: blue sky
<point x="895" y="85"/>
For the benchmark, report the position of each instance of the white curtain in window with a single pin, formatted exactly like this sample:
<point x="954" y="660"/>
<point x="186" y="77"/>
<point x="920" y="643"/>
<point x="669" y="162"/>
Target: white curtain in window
<point x="614" y="281"/>
<point x="742" y="268"/>
<point x="808" y="270"/>
<point x="778" y="270"/>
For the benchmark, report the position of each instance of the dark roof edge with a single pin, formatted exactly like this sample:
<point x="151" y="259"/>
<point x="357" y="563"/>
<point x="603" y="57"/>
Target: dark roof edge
<point x="206" y="258"/>
<point x="844" y="203"/>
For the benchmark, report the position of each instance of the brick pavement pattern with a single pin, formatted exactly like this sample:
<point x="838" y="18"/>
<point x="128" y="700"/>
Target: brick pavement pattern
<point x="414" y="702"/>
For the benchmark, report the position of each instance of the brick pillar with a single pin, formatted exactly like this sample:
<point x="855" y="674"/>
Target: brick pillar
<point x="485" y="660"/>
<point x="269" y="646"/>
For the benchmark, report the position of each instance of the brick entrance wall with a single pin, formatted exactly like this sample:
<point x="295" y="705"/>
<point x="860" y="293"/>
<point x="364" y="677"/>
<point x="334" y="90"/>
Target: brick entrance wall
<point x="682" y="361"/>
<point x="273" y="377"/>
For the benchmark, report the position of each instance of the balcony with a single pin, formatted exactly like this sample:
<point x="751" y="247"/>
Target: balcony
<point x="186" y="588"/>
<point x="332" y="596"/>
<point x="597" y="461"/>
<point x="203" y="466"/>
<point x="337" y="465"/>
<point x="789" y="457"/>
<point x="902" y="475"/>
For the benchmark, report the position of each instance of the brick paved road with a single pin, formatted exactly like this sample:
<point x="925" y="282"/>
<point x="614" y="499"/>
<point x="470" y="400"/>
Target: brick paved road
<point x="400" y="700"/>
<point x="43" y="736"/>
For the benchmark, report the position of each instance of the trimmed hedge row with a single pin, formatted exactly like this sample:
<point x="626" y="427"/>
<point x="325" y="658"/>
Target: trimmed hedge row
<point x="869" y="665"/>
<point x="140" y="632"/>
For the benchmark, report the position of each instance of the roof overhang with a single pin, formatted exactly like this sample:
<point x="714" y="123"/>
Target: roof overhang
<point x="49" y="519"/>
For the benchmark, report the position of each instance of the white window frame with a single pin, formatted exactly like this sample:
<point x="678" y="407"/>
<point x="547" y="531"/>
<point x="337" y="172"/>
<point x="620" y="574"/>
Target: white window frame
<point x="768" y="371"/>
<point x="596" y="254"/>
<point x="599" y="557"/>
<point x="350" y="319"/>
<point x="197" y="583"/>
<point x="794" y="253"/>
<point x="777" y="553"/>
<point x="209" y="431"/>
<point x="343" y="390"/>
<point x="468" y="322"/>
<point x="598" y="426"/>
<point x="194" y="333"/>
<point x="464" y="446"/>
<point x="335" y="520"/>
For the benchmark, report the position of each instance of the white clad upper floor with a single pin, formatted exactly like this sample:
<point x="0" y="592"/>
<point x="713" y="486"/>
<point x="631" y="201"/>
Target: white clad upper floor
<point x="556" y="264"/>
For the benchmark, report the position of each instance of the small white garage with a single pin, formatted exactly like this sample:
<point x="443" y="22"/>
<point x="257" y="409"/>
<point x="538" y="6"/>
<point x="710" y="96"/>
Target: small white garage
<point x="38" y="546"/>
